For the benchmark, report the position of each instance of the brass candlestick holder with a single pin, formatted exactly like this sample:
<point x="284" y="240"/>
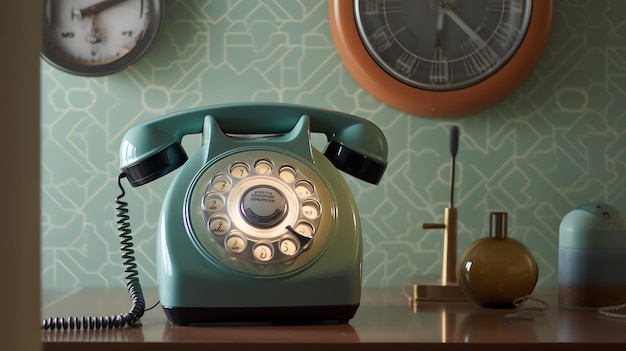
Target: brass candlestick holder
<point x="444" y="287"/>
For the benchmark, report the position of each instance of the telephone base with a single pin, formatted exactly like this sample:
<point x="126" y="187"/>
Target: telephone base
<point x="184" y="316"/>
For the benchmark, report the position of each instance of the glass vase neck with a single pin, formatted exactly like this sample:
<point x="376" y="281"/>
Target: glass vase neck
<point x="498" y="225"/>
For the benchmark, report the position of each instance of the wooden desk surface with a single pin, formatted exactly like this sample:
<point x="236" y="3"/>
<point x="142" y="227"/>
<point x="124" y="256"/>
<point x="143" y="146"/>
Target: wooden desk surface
<point x="384" y="317"/>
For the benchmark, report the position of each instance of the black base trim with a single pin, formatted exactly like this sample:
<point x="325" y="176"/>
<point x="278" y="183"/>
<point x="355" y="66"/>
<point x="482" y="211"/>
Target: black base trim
<point x="276" y="315"/>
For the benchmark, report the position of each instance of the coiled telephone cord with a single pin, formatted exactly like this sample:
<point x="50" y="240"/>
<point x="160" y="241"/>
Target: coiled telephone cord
<point x="138" y="305"/>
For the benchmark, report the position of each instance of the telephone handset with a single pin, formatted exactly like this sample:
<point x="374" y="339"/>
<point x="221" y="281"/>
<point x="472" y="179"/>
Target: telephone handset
<point x="153" y="149"/>
<point x="257" y="225"/>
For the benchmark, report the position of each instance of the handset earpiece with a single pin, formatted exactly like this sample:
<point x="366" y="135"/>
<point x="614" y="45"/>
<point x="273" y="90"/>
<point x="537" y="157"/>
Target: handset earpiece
<point x="359" y="149"/>
<point x="354" y="163"/>
<point x="355" y="145"/>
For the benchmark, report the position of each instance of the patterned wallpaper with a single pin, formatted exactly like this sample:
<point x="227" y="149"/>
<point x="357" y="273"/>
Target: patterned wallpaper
<point x="557" y="142"/>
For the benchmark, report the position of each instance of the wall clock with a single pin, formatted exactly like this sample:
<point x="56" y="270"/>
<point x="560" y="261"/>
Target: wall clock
<point x="96" y="38"/>
<point x="445" y="58"/>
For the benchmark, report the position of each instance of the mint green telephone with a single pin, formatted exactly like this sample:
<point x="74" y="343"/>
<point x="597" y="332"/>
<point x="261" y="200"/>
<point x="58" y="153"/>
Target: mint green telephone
<point x="257" y="225"/>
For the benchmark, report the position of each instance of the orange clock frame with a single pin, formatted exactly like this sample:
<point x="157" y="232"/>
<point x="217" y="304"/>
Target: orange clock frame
<point x="438" y="104"/>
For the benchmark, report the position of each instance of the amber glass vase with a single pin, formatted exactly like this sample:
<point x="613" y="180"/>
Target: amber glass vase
<point x="495" y="270"/>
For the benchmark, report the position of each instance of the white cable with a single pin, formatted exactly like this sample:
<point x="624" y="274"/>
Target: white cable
<point x="609" y="311"/>
<point x="528" y="313"/>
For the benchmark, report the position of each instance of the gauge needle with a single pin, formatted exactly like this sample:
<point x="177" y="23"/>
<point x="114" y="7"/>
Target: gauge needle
<point x="95" y="36"/>
<point x="98" y="7"/>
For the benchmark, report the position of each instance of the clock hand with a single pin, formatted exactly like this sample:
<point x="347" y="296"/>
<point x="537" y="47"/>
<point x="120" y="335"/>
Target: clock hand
<point x="440" y="16"/>
<point x="439" y="70"/>
<point x="456" y="19"/>
<point x="98" y="7"/>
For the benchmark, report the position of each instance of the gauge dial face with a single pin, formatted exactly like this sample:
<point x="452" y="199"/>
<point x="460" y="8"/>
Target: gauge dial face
<point x="444" y="44"/>
<point x="90" y="37"/>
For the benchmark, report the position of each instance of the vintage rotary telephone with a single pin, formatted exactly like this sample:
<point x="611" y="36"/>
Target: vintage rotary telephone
<point x="257" y="225"/>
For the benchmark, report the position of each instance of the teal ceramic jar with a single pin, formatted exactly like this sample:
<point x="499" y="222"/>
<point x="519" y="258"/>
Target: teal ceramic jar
<point x="592" y="257"/>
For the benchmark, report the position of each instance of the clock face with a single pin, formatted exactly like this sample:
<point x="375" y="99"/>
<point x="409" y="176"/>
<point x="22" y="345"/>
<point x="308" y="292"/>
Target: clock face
<point x="445" y="44"/>
<point x="440" y="58"/>
<point x="90" y="37"/>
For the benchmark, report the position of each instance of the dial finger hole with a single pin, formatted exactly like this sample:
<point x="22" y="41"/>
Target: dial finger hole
<point x="304" y="229"/>
<point x="304" y="188"/>
<point x="212" y="202"/>
<point x="221" y="183"/>
<point x="263" y="252"/>
<point x="240" y="170"/>
<point x="287" y="173"/>
<point x="263" y="167"/>
<point x="288" y="246"/>
<point x="236" y="243"/>
<point x="219" y="225"/>
<point x="311" y="209"/>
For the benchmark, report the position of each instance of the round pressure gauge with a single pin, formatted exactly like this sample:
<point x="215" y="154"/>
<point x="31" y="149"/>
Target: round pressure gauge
<point x="96" y="38"/>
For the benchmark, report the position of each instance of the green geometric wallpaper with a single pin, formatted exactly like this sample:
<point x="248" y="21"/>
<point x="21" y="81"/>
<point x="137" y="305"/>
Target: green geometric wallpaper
<point x="557" y="142"/>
